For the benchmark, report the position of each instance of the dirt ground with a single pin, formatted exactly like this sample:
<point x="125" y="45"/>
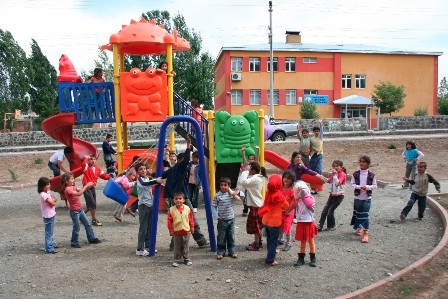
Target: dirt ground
<point x="430" y="281"/>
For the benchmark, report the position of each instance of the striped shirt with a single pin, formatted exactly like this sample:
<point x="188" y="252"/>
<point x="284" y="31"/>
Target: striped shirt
<point x="223" y="203"/>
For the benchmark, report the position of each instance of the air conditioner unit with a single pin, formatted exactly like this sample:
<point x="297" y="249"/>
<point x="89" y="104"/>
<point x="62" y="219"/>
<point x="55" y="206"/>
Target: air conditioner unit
<point x="235" y="76"/>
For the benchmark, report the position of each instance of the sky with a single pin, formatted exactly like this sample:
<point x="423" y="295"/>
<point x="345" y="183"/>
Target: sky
<point x="77" y="27"/>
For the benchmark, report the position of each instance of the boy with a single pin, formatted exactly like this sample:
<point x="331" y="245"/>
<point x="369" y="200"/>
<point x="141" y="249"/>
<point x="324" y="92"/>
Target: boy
<point x="194" y="180"/>
<point x="316" y="152"/>
<point x="145" y="204"/>
<point x="108" y="151"/>
<point x="91" y="174"/>
<point x="180" y="225"/>
<point x="419" y="187"/>
<point x="226" y="219"/>
<point x="304" y="137"/>
<point x="55" y="162"/>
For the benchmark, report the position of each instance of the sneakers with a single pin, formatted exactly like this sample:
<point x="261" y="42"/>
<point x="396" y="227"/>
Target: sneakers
<point x="402" y="218"/>
<point x="96" y="222"/>
<point x="118" y="219"/>
<point x="143" y="253"/>
<point x="219" y="257"/>
<point x="273" y="264"/>
<point x="195" y="210"/>
<point x="319" y="228"/>
<point x="287" y="247"/>
<point x="75" y="246"/>
<point x="202" y="245"/>
<point x="252" y="247"/>
<point x="176" y="264"/>
<point x="95" y="241"/>
<point x="188" y="262"/>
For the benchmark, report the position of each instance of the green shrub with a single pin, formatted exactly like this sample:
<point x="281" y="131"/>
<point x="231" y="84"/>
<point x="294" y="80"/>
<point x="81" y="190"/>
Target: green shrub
<point x="14" y="175"/>
<point x="442" y="107"/>
<point x="391" y="146"/>
<point x="38" y="161"/>
<point x="308" y="110"/>
<point x="421" y="111"/>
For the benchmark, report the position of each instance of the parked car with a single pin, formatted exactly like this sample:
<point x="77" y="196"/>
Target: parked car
<point x="280" y="129"/>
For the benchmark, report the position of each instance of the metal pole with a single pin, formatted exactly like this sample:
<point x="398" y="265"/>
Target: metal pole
<point x="271" y="64"/>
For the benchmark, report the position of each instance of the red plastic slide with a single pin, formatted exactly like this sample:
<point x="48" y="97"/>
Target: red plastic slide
<point x="60" y="128"/>
<point x="280" y="162"/>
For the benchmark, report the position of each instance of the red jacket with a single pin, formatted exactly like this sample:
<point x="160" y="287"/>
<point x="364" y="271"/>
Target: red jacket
<point x="92" y="173"/>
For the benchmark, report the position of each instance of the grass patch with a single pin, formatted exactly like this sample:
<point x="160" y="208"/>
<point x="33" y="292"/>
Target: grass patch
<point x="14" y="175"/>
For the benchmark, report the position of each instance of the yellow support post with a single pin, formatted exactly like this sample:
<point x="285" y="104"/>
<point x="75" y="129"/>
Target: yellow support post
<point x="169" y="73"/>
<point x="116" y="60"/>
<point x="211" y="153"/>
<point x="261" y="137"/>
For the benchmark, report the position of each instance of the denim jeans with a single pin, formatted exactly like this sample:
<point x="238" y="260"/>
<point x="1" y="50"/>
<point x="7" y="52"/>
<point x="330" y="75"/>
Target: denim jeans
<point x="54" y="167"/>
<point x="328" y="212"/>
<point x="49" y="232"/>
<point x="421" y="201"/>
<point x="272" y="240"/>
<point x="193" y="192"/>
<point x="361" y="214"/>
<point x="145" y="218"/>
<point x="316" y="163"/>
<point x="226" y="236"/>
<point x="77" y="217"/>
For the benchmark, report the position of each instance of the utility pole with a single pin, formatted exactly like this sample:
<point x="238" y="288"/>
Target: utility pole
<point x="271" y="64"/>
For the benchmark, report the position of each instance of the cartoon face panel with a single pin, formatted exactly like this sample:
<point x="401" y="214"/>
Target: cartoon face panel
<point x="143" y="95"/>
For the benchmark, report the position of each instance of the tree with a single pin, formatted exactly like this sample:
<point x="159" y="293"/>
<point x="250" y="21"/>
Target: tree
<point x="43" y="83"/>
<point x="14" y="82"/>
<point x="388" y="97"/>
<point x="442" y="108"/>
<point x="308" y="110"/>
<point x="104" y="63"/>
<point x="194" y="69"/>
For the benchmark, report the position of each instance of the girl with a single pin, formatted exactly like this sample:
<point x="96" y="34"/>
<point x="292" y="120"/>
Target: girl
<point x="253" y="183"/>
<point x="72" y="195"/>
<point x="411" y="155"/>
<point x="47" y="206"/>
<point x="271" y="211"/>
<point x="288" y="179"/>
<point x="337" y="186"/>
<point x="126" y="182"/>
<point x="97" y="75"/>
<point x="363" y="181"/>
<point x="306" y="228"/>
<point x="163" y="67"/>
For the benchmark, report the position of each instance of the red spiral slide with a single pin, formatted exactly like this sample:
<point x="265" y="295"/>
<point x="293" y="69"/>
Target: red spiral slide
<point x="280" y="162"/>
<point x="60" y="128"/>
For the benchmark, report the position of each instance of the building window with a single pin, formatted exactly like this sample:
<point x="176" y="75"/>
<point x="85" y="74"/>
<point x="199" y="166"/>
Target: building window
<point x="353" y="112"/>
<point x="360" y="81"/>
<point x="290" y="64"/>
<point x="291" y="97"/>
<point x="310" y="91"/>
<point x="309" y="59"/>
<point x="274" y="62"/>
<point x="254" y="64"/>
<point x="346" y="81"/>
<point x="255" y="97"/>
<point x="276" y="96"/>
<point x="236" y="97"/>
<point x="237" y="64"/>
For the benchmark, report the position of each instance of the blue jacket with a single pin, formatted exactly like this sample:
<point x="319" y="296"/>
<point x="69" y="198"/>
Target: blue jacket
<point x="197" y="174"/>
<point x="175" y="177"/>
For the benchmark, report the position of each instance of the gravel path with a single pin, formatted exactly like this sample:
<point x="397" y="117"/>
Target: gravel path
<point x="111" y="269"/>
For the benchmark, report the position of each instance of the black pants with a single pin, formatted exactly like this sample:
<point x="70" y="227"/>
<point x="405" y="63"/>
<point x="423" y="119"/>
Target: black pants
<point x="328" y="212"/>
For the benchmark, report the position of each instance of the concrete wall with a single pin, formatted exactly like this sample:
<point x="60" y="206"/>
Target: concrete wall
<point x="151" y="132"/>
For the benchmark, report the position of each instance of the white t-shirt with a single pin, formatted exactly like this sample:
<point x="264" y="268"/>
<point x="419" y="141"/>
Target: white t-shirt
<point x="57" y="156"/>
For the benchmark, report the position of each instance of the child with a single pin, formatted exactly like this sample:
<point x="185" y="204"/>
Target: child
<point x="97" y="76"/>
<point x="163" y="67"/>
<point x="245" y="167"/>
<point x="126" y="182"/>
<point x="274" y="205"/>
<point x="316" y="152"/>
<point x="72" y="195"/>
<point x="306" y="228"/>
<point x="91" y="174"/>
<point x="197" y="113"/>
<point x="411" y="156"/>
<point x="304" y="137"/>
<point x="363" y="181"/>
<point x="337" y="186"/>
<point x="253" y="184"/>
<point x="288" y="179"/>
<point x="145" y="203"/>
<point x="226" y="219"/>
<point x="55" y="162"/>
<point x="108" y="151"/>
<point x="419" y="186"/>
<point x="180" y="225"/>
<point x="47" y="206"/>
<point x="194" y="180"/>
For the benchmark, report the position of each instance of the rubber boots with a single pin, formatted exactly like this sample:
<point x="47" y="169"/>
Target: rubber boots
<point x="365" y="237"/>
<point x="313" y="260"/>
<point x="300" y="260"/>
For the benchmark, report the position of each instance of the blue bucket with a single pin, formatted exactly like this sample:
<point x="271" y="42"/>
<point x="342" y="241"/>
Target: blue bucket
<point x="114" y="191"/>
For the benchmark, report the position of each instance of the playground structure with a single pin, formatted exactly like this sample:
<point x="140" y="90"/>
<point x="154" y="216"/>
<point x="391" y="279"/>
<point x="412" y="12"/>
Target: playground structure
<point x="147" y="96"/>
